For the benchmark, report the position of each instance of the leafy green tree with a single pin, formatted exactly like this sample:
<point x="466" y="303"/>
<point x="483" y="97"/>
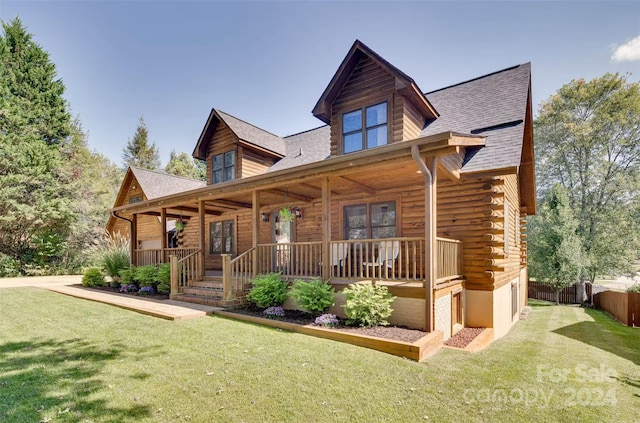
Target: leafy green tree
<point x="36" y="210"/>
<point x="202" y="169"/>
<point x="181" y="164"/>
<point x="555" y="253"/>
<point x="139" y="151"/>
<point x="94" y="181"/>
<point x="587" y="139"/>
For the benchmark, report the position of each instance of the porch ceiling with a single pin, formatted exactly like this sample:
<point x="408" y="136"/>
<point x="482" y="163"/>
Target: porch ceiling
<point x="367" y="172"/>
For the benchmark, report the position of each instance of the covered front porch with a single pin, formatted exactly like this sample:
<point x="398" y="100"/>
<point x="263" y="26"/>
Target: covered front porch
<point x="366" y="216"/>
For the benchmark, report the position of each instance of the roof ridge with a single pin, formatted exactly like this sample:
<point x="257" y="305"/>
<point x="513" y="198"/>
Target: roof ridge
<point x="158" y="172"/>
<point x="304" y="132"/>
<point x="248" y="123"/>
<point x="477" y="78"/>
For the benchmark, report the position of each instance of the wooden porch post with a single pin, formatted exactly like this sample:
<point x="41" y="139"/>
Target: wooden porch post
<point x="201" y="238"/>
<point x="430" y="240"/>
<point x="163" y="239"/>
<point x="134" y="240"/>
<point x="256" y="231"/>
<point x="428" y="171"/>
<point x="326" y="229"/>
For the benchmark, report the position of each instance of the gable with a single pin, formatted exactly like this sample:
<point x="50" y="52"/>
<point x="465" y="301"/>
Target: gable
<point x="402" y="83"/>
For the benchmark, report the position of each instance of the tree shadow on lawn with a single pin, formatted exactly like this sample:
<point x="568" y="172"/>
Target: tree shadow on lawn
<point x="606" y="334"/>
<point x="60" y="381"/>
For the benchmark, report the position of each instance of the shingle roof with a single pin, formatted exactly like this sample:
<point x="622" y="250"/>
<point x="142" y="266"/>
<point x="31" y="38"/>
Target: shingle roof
<point x="493" y="105"/>
<point x="306" y="147"/>
<point x="252" y="134"/>
<point x="155" y="184"/>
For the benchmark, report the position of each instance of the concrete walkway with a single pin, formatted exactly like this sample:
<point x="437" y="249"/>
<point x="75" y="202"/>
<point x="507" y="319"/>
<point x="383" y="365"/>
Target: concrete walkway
<point x="165" y="309"/>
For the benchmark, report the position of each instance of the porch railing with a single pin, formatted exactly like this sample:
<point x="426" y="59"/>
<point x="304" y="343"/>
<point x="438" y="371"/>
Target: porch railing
<point x="184" y="270"/>
<point x="381" y="259"/>
<point x="156" y="256"/>
<point x="292" y="260"/>
<point x="449" y="259"/>
<point x="237" y="273"/>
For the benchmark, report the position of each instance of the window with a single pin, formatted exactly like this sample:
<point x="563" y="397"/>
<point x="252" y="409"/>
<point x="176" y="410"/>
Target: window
<point x="136" y="199"/>
<point x="375" y="220"/>
<point x="221" y="236"/>
<point x="223" y="167"/>
<point x="374" y="122"/>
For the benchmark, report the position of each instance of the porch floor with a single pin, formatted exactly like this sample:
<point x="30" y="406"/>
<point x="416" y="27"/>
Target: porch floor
<point x="165" y="309"/>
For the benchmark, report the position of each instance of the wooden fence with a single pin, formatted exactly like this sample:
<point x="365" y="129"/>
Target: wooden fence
<point x="622" y="306"/>
<point x="568" y="295"/>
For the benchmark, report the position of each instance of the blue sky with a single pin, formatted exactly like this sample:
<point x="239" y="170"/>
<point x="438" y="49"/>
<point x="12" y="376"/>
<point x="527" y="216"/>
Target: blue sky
<point x="268" y="62"/>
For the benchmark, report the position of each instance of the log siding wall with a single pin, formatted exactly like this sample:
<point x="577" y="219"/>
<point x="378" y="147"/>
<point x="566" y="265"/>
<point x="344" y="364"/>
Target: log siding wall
<point x="222" y="141"/>
<point x="471" y="211"/>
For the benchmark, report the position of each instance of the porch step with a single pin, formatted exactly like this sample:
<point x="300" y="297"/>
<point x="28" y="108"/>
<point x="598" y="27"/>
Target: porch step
<point x="208" y="300"/>
<point x="210" y="278"/>
<point x="207" y="283"/>
<point x="206" y="291"/>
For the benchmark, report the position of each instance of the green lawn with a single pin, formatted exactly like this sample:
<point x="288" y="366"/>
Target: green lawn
<point x="68" y="360"/>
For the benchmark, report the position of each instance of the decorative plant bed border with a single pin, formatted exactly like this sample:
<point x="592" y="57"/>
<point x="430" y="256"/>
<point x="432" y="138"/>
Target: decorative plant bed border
<point x="418" y="351"/>
<point x="479" y="343"/>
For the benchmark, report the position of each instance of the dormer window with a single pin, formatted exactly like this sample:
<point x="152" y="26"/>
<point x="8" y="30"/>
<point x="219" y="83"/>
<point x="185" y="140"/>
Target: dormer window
<point x="364" y="128"/>
<point x="223" y="167"/>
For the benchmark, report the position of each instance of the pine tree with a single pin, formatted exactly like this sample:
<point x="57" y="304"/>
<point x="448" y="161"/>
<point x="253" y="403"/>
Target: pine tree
<point x="182" y="165"/>
<point x="36" y="210"/>
<point x="139" y="151"/>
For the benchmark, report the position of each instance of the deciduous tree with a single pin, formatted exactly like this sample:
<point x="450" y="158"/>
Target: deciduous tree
<point x="181" y="164"/>
<point x="587" y="139"/>
<point x="555" y="252"/>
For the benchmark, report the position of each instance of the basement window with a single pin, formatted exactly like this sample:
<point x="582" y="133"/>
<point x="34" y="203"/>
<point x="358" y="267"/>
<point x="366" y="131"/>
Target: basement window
<point x="364" y="128"/>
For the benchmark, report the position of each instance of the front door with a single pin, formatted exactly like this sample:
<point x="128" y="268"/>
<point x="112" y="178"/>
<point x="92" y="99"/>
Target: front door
<point x="283" y="235"/>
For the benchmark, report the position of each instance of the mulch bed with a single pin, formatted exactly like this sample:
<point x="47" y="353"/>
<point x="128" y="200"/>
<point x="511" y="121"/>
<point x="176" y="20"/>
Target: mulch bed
<point x="117" y="291"/>
<point x="396" y="333"/>
<point x="463" y="337"/>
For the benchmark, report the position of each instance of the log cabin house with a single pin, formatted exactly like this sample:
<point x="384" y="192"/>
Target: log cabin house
<point x="427" y="194"/>
<point x="141" y="185"/>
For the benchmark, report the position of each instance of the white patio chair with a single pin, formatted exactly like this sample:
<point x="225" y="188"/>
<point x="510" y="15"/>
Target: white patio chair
<point x="388" y="252"/>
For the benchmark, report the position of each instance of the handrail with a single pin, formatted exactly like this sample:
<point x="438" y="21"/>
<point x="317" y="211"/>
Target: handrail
<point x="184" y="270"/>
<point x="236" y="274"/>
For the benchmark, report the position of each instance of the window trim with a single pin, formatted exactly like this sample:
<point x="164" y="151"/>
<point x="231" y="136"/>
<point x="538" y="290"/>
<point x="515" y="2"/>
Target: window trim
<point x="368" y="202"/>
<point x="364" y="128"/>
<point x="234" y="237"/>
<point x="224" y="167"/>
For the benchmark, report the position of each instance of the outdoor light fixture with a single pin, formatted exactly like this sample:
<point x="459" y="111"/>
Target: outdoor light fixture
<point x="265" y="217"/>
<point x="298" y="213"/>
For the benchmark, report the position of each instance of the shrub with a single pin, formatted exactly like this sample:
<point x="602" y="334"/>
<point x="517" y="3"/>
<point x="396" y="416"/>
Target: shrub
<point x="634" y="288"/>
<point x="164" y="278"/>
<point x="146" y="290"/>
<point x="93" y="277"/>
<point x="313" y="296"/>
<point x="114" y="260"/>
<point x="367" y="305"/>
<point x="327" y="320"/>
<point x="127" y="276"/>
<point x="268" y="291"/>
<point x="9" y="266"/>
<point x="146" y="275"/>
<point x="274" y="312"/>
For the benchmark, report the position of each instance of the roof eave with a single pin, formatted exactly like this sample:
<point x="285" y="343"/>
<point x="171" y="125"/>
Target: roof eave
<point x="428" y="144"/>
